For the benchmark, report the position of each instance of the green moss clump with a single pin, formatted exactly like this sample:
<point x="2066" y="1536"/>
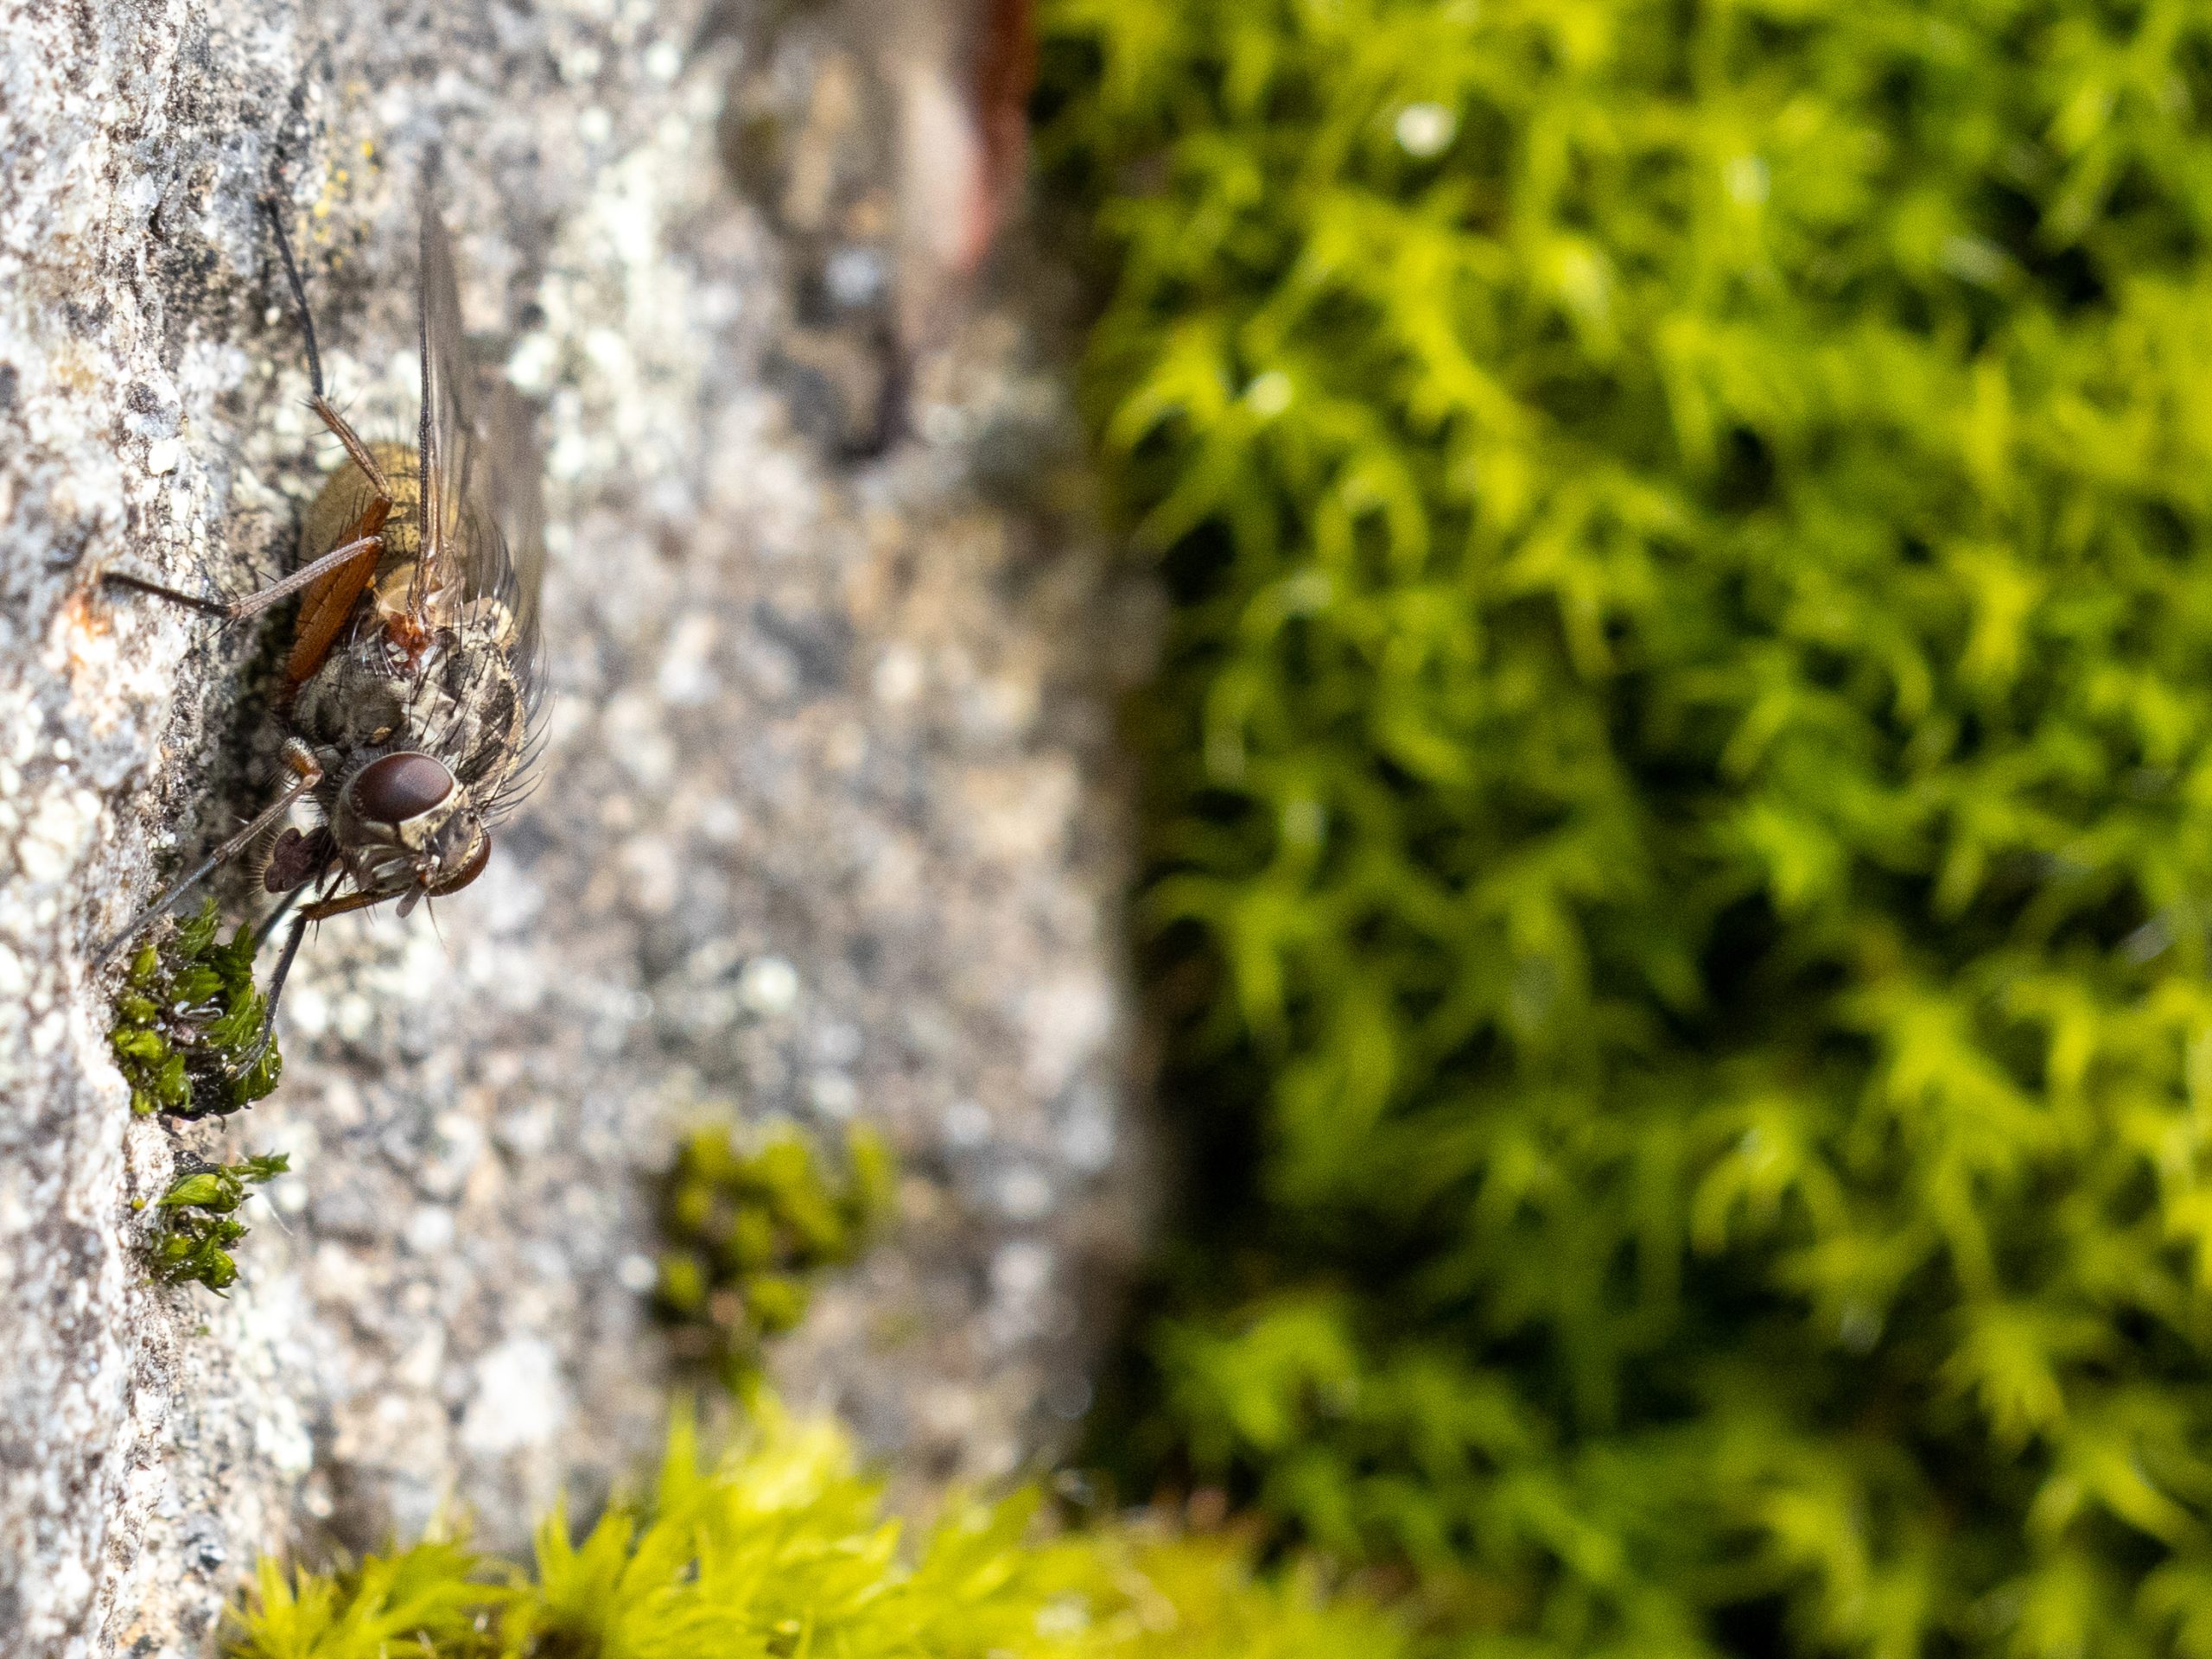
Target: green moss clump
<point x="749" y="1225"/>
<point x="1679" y="797"/>
<point x="783" y="1552"/>
<point x="198" y="1222"/>
<point x="187" y="1017"/>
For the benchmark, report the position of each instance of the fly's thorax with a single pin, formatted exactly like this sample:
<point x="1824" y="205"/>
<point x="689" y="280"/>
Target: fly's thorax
<point x="403" y="823"/>
<point x="492" y="715"/>
<point x="355" y="706"/>
<point x="456" y="696"/>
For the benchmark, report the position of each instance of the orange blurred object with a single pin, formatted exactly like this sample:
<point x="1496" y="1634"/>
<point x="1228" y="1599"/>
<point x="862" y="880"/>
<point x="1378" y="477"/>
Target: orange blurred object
<point x="962" y="71"/>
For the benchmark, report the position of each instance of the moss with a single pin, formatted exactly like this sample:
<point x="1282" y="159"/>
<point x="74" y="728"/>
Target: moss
<point x="198" y="1219"/>
<point x="1679" y="799"/>
<point x="187" y="1020"/>
<point x="781" y="1551"/>
<point x="750" y="1223"/>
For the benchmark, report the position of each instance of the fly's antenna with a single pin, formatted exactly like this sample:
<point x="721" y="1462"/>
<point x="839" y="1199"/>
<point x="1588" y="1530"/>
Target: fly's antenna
<point x="299" y="293"/>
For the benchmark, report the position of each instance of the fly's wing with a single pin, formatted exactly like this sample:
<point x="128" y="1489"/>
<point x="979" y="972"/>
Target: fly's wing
<point x="517" y="493"/>
<point x="463" y="555"/>
<point x="479" y="484"/>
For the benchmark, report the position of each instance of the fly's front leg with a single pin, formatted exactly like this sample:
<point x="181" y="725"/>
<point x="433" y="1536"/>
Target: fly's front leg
<point x="314" y="913"/>
<point x="307" y="773"/>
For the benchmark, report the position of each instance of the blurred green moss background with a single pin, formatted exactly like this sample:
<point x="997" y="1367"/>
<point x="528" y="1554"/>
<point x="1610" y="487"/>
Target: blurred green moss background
<point x="779" y="1549"/>
<point x="1679" y="817"/>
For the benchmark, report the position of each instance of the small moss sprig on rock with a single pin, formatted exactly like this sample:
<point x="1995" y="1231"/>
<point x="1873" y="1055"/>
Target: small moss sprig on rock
<point x="187" y="1020"/>
<point x="749" y="1225"/>
<point x="199" y="1226"/>
<point x="784" y="1550"/>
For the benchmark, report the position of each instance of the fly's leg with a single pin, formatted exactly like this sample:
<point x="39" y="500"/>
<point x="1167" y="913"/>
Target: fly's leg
<point x="233" y="610"/>
<point x="319" y="911"/>
<point x="275" y="919"/>
<point x="314" y="913"/>
<point x="364" y="547"/>
<point x="339" y="426"/>
<point x="306" y="772"/>
<point x="245" y="1062"/>
<point x="240" y="1066"/>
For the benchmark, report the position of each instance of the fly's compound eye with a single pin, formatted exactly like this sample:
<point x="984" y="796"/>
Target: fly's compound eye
<point x="398" y="787"/>
<point x="470" y="869"/>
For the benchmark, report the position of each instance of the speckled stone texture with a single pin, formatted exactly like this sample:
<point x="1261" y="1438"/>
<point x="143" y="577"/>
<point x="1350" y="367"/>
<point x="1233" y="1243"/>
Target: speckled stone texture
<point x="829" y="823"/>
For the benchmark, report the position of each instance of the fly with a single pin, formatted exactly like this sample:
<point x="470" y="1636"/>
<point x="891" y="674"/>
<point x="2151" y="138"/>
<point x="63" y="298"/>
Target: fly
<point x="407" y="697"/>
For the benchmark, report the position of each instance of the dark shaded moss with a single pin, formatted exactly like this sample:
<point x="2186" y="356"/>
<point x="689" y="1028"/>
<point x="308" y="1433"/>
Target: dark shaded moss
<point x="199" y="1222"/>
<point x="187" y="1022"/>
<point x="750" y="1224"/>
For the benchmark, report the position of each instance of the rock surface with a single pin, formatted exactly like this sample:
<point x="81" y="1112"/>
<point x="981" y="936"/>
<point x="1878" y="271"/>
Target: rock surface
<point x="830" y="821"/>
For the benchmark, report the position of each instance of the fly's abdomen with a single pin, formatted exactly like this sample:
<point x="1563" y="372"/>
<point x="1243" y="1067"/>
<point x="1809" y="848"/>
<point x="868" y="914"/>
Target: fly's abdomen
<point x="338" y="509"/>
<point x="347" y="509"/>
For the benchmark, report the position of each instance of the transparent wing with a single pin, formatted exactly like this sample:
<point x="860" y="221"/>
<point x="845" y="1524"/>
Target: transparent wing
<point x="464" y="556"/>
<point x="518" y="505"/>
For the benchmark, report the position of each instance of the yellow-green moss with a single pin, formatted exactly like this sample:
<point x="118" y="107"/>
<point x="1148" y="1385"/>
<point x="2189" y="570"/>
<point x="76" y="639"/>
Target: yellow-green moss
<point x="781" y="1551"/>
<point x="1678" y="800"/>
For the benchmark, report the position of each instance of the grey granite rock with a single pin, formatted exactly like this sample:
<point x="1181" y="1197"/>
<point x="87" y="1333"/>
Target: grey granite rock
<point x="830" y="821"/>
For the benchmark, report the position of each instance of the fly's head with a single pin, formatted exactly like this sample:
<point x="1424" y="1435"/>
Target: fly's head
<point x="407" y="826"/>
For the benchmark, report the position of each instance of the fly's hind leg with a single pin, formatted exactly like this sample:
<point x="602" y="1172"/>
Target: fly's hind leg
<point x="339" y="426"/>
<point x="361" y="550"/>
